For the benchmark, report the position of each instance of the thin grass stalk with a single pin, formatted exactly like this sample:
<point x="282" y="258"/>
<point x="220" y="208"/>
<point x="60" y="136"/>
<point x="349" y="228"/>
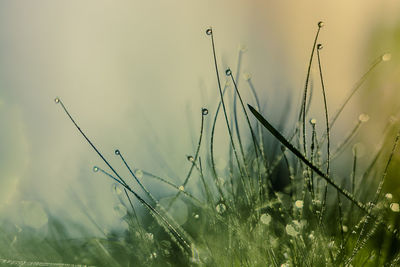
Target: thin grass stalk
<point x="210" y="32"/>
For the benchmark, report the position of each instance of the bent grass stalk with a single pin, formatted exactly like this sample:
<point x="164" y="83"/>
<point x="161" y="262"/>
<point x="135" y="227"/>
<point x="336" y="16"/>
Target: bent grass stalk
<point x="300" y="156"/>
<point x="122" y="182"/>
<point x="204" y="112"/>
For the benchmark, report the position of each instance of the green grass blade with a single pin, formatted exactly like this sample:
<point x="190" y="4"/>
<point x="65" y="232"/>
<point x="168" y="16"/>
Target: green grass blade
<point x="299" y="155"/>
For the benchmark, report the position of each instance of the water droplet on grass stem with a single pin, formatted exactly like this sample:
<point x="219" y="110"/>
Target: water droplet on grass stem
<point x="299" y="204"/>
<point x="386" y="57"/>
<point x="395" y="207"/>
<point x="363" y="117"/>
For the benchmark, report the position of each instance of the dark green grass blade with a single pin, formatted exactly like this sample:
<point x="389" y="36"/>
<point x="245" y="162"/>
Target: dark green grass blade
<point x="298" y="154"/>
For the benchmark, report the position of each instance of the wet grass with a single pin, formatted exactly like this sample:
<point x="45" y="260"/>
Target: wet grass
<point x="285" y="207"/>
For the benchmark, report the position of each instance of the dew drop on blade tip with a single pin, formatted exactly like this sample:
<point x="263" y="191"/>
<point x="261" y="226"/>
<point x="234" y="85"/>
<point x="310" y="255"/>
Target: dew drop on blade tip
<point x="228" y="72"/>
<point x="363" y="117"/>
<point x="95" y="169"/>
<point x="265" y="218"/>
<point x="204" y="111"/>
<point x="117" y="152"/>
<point x="320" y="46"/>
<point x="395" y="207"/>
<point x="386" y="57"/>
<point x="321" y="24"/>
<point x="57" y="100"/>
<point x="209" y="31"/>
<point x="299" y="204"/>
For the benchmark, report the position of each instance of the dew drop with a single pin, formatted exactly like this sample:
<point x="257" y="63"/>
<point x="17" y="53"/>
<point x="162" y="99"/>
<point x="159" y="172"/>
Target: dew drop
<point x="181" y="188"/>
<point x="386" y="57"/>
<point x="286" y="255"/>
<point x="320" y="46"/>
<point x="321" y="24"/>
<point x="190" y="158"/>
<point x="311" y="236"/>
<point x="204" y="111"/>
<point x="363" y="117"/>
<point x="209" y="31"/>
<point x="117" y="152"/>
<point x="299" y="204"/>
<point x="151" y="257"/>
<point x="95" y="169"/>
<point x="345" y="228"/>
<point x="313" y="121"/>
<point x="139" y="173"/>
<point x="265" y="218"/>
<point x="290" y="230"/>
<point x="57" y="100"/>
<point x="221" y="208"/>
<point x="388" y="196"/>
<point x="228" y="72"/>
<point x="196" y="216"/>
<point x="395" y="207"/>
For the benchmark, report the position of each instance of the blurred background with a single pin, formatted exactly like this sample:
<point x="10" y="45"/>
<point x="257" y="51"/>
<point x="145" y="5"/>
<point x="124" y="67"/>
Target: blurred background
<point x="136" y="74"/>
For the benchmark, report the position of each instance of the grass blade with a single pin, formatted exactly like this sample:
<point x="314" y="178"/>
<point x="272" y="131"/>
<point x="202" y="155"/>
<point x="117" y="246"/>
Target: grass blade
<point x="299" y="155"/>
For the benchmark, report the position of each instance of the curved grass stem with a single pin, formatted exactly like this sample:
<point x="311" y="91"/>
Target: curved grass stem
<point x="242" y="174"/>
<point x="122" y="182"/>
